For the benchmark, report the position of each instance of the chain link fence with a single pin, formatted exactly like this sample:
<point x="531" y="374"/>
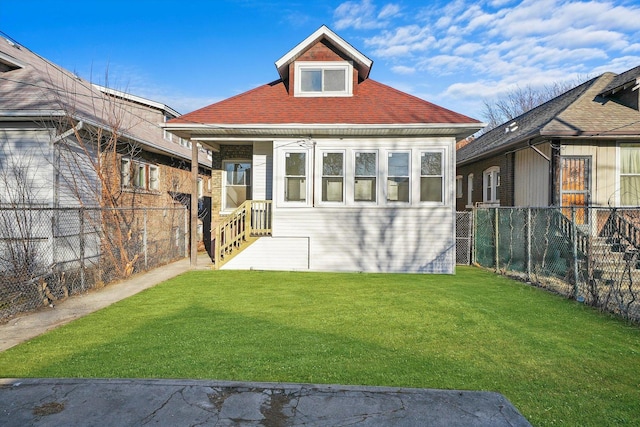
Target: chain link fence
<point x="589" y="254"/>
<point x="464" y="233"/>
<point x="47" y="254"/>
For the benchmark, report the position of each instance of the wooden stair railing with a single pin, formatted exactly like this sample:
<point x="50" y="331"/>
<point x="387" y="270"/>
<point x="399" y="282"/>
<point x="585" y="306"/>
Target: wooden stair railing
<point x="239" y="229"/>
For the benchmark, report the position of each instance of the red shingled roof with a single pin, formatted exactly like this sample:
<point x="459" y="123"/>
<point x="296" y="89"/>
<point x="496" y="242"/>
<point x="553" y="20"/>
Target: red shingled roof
<point x="372" y="103"/>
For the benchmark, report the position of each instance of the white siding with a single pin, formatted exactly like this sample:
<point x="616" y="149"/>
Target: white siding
<point x="531" y="181"/>
<point x="375" y="240"/>
<point x="26" y="169"/>
<point x="415" y="237"/>
<point x="272" y="253"/>
<point x="78" y="182"/>
<point x="262" y="170"/>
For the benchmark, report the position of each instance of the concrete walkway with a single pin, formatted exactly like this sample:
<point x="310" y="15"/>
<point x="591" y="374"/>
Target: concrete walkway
<point x="123" y="402"/>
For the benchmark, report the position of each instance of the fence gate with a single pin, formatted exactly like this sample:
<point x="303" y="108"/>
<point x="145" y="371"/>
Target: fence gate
<point x="464" y="233"/>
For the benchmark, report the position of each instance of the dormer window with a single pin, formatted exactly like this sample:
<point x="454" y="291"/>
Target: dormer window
<point x="323" y="79"/>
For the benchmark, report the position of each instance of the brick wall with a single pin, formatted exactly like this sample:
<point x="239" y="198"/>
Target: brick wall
<point x="323" y="51"/>
<point x="505" y="192"/>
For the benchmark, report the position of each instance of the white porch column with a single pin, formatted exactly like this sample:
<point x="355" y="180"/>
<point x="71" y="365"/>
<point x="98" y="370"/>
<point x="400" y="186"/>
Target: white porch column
<point x="194" y="204"/>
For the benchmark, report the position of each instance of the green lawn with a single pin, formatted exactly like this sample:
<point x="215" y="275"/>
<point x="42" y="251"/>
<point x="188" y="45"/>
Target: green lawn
<point x="559" y="362"/>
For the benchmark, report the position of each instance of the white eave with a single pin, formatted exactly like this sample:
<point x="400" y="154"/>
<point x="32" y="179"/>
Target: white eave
<point x="364" y="63"/>
<point x="138" y="99"/>
<point x="223" y="132"/>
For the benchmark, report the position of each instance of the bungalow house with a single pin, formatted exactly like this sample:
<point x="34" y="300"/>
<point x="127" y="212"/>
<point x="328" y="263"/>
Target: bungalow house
<point x="66" y="143"/>
<point x="328" y="169"/>
<point x="579" y="149"/>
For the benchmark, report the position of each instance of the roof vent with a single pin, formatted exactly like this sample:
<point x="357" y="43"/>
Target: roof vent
<point x="512" y="127"/>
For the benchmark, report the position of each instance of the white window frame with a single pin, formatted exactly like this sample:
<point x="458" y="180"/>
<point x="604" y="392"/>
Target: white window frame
<point x="140" y="176"/>
<point x="125" y="173"/>
<point x="154" y="178"/>
<point x="375" y="176"/>
<point x="441" y="176"/>
<point x="491" y="181"/>
<point x="470" y="191"/>
<point x="308" y="179"/>
<point x="301" y="66"/>
<point x="321" y="176"/>
<point x="388" y="176"/>
<point x="620" y="174"/>
<point x="459" y="193"/>
<point x="225" y="183"/>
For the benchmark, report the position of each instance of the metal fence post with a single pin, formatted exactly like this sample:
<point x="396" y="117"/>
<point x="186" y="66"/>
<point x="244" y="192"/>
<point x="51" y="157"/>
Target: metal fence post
<point x="528" y="237"/>
<point x="574" y="247"/>
<point x="470" y="216"/>
<point x="497" y="239"/>
<point x="144" y="240"/>
<point x="186" y="234"/>
<point x="82" y="248"/>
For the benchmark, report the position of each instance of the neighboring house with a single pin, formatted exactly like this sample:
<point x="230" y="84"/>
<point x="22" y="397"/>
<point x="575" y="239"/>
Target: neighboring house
<point x="360" y="176"/>
<point x="581" y="148"/>
<point x="67" y="143"/>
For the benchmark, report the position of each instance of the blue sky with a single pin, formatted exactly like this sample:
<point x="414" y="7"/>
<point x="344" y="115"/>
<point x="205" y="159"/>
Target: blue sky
<point x="455" y="54"/>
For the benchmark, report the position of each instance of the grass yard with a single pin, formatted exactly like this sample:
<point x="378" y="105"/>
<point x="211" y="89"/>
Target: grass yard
<point x="558" y="362"/>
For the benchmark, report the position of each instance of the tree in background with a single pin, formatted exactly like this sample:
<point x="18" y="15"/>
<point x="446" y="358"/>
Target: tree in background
<point x="520" y="100"/>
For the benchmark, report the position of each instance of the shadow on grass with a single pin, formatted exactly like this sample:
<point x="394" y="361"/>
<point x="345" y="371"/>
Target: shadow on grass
<point x="202" y="343"/>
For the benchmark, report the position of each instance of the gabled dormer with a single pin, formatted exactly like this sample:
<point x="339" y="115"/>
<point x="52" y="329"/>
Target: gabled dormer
<point x="7" y="62"/>
<point x="623" y="89"/>
<point x="323" y="65"/>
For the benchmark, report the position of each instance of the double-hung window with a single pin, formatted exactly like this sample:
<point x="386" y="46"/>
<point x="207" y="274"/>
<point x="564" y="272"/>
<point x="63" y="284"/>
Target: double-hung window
<point x="431" y="176"/>
<point x="630" y="174"/>
<point x="491" y="184"/>
<point x="125" y="172"/>
<point x="365" y="174"/>
<point x="154" y="181"/>
<point x="398" y="176"/>
<point x="141" y="176"/>
<point x="237" y="183"/>
<point x="295" y="185"/>
<point x="332" y="177"/>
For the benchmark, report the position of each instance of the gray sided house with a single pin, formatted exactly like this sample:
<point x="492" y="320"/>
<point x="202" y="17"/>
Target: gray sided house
<point x="580" y="149"/>
<point x="327" y="169"/>
<point x="67" y="144"/>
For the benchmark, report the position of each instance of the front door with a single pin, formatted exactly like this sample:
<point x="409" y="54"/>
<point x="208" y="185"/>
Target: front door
<point x="575" y="189"/>
<point x="237" y="184"/>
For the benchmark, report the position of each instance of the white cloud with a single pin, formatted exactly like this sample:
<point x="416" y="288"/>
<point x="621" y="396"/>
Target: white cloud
<point x="362" y="15"/>
<point x="401" y="69"/>
<point x="487" y="47"/>
<point x="388" y="11"/>
<point x="402" y="41"/>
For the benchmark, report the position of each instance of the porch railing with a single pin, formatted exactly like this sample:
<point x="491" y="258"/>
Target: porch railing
<point x="620" y="226"/>
<point x="568" y="227"/>
<point x="249" y="221"/>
